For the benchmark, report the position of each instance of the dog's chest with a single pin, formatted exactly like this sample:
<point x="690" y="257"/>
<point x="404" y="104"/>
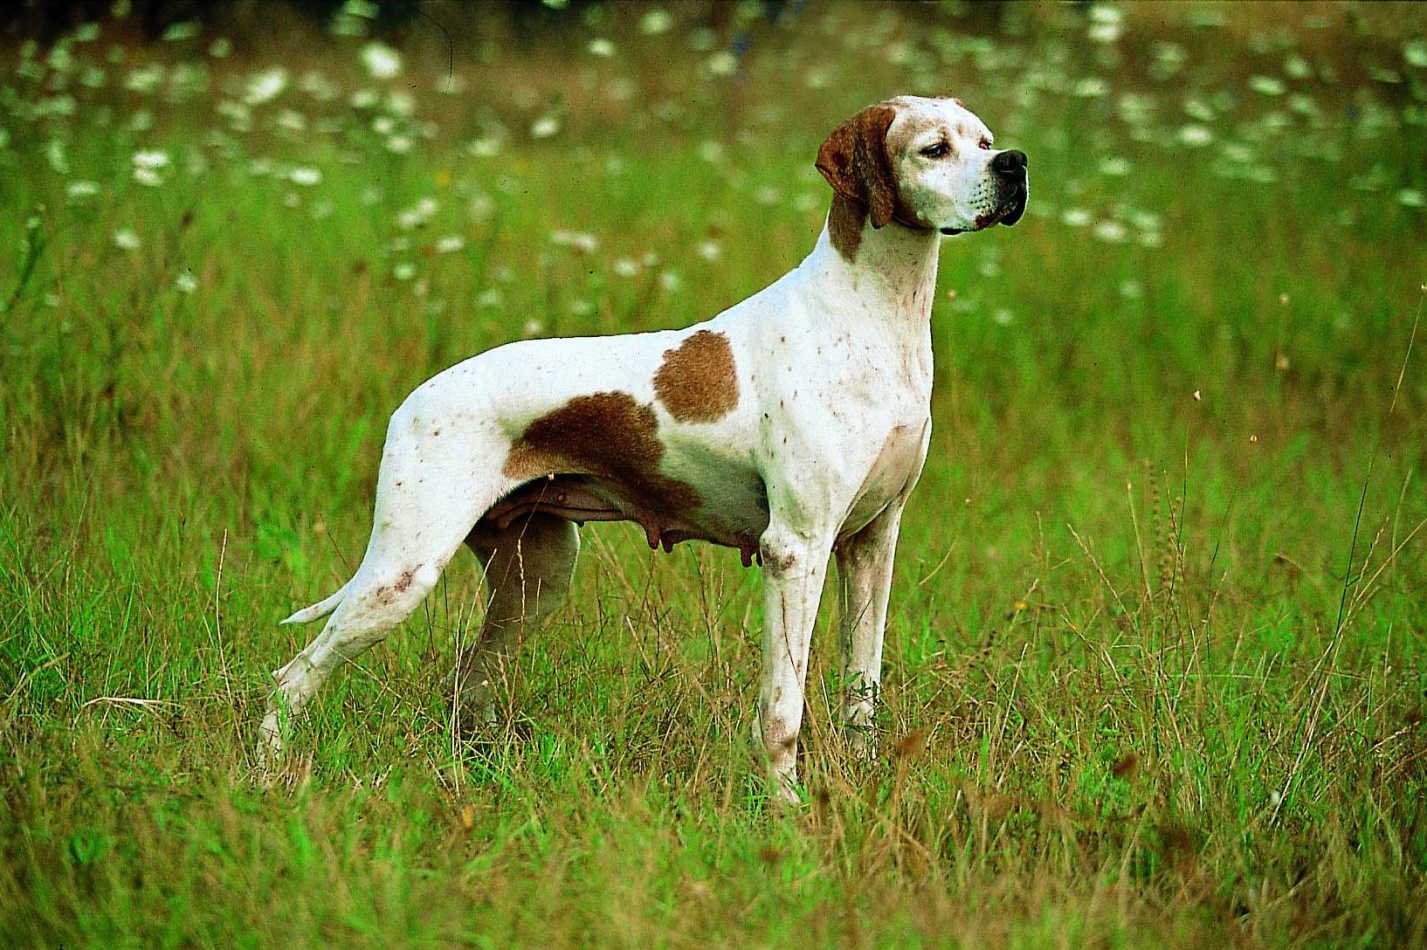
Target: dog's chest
<point x="894" y="470"/>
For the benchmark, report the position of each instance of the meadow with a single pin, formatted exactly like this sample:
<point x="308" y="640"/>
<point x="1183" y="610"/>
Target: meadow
<point x="1155" y="667"/>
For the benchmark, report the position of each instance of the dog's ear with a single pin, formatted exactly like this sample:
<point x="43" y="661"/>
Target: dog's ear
<point x="854" y="161"/>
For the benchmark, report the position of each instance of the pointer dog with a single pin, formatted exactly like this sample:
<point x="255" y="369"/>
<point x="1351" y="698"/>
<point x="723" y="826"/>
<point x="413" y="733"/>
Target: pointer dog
<point x="791" y="426"/>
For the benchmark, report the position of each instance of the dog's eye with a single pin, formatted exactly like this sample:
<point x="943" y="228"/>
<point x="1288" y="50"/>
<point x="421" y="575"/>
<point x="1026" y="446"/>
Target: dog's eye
<point x="938" y="150"/>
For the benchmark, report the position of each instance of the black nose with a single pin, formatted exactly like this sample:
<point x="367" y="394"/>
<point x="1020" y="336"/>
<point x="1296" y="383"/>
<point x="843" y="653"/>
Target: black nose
<point x="1009" y="162"/>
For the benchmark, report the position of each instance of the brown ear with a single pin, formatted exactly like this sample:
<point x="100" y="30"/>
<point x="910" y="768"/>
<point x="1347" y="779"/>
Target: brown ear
<point x="854" y="161"/>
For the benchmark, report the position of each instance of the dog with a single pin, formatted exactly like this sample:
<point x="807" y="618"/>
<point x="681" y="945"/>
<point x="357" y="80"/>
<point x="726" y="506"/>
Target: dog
<point x="792" y="426"/>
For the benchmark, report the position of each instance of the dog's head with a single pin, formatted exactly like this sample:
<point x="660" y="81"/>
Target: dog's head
<point x="925" y="163"/>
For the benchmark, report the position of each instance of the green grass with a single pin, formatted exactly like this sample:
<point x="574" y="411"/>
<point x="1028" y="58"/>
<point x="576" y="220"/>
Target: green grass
<point x="1155" y="669"/>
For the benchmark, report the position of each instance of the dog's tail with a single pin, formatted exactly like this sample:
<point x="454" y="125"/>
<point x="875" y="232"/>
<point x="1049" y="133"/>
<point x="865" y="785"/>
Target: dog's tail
<point x="321" y="608"/>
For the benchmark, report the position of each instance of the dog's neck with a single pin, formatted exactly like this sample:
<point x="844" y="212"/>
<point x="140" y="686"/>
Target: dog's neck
<point x="884" y="273"/>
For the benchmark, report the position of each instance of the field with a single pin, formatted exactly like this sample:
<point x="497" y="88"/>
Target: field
<point x="1155" y="671"/>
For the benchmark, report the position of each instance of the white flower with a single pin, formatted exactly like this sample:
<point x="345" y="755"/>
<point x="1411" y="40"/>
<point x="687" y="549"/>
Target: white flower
<point x="79" y="190"/>
<point x="305" y="176"/>
<point x="487" y="146"/>
<point x="1106" y="15"/>
<point x="625" y="267"/>
<point x="145" y="79"/>
<point x="418" y="214"/>
<point x="450" y="244"/>
<point x="490" y="297"/>
<point x="1091" y="87"/>
<point x="148" y="165"/>
<point x="722" y="63"/>
<point x="1115" y="167"/>
<point x="1105" y="32"/>
<point x="1195" y="135"/>
<point x="1411" y="198"/>
<point x="364" y="98"/>
<point x="399" y="144"/>
<point x="185" y="282"/>
<point x="545" y="126"/>
<point x="186" y="30"/>
<point x="709" y="250"/>
<point x="1197" y="108"/>
<point x="655" y="21"/>
<point x="238" y="114"/>
<point x="1145" y="220"/>
<point x="1415" y="53"/>
<point x="401" y="102"/>
<point x="1111" y="232"/>
<point x="380" y="60"/>
<point x="1076" y="217"/>
<point x="481" y="206"/>
<point x="601" y="47"/>
<point x="362" y="8"/>
<point x="670" y="281"/>
<point x="404" y="271"/>
<point x="55" y="152"/>
<point x="579" y="240"/>
<point x="1267" y="85"/>
<point x="126" y="240"/>
<point x="265" y="86"/>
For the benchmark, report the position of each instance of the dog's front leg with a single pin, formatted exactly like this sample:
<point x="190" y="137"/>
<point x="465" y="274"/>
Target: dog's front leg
<point x="794" y="566"/>
<point x="864" y="570"/>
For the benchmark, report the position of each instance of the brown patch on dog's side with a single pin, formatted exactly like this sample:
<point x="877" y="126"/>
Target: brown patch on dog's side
<point x="610" y="436"/>
<point x="697" y="381"/>
<point x="854" y="161"/>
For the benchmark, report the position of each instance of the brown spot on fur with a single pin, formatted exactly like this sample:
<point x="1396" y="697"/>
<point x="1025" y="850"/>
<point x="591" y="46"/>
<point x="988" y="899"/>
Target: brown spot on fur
<point x="697" y="382"/>
<point x="608" y="435"/>
<point x="854" y="161"/>
<point x="844" y="226"/>
<point x="402" y="582"/>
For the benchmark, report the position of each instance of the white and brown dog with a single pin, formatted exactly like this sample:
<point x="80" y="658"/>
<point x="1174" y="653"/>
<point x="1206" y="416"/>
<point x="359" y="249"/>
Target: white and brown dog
<point x="791" y="426"/>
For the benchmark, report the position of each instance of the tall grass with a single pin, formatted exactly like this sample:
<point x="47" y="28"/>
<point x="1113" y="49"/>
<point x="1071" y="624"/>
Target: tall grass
<point x="1155" y="664"/>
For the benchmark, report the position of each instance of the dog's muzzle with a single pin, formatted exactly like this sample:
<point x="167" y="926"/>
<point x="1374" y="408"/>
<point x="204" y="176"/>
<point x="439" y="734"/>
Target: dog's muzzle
<point x="1013" y="189"/>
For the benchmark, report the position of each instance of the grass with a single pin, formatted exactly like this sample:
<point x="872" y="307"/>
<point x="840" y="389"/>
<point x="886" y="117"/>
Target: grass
<point x="1155" y="668"/>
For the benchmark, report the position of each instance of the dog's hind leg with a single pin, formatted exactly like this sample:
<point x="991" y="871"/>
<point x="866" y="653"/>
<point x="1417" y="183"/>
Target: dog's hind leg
<point x="528" y="568"/>
<point x="429" y="494"/>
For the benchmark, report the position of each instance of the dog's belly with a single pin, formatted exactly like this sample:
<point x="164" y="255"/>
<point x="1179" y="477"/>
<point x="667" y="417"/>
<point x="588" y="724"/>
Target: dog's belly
<point x="726" y="507"/>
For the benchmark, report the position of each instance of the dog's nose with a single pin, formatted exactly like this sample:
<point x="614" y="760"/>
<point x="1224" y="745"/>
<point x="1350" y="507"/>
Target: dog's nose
<point x="1009" y="162"/>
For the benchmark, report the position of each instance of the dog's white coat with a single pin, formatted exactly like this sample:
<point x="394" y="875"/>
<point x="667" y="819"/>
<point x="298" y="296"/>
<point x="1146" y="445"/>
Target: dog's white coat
<point x="828" y="437"/>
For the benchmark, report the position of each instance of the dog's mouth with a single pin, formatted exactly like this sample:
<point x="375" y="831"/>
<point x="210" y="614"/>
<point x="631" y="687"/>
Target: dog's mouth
<point x="1011" y="210"/>
<point x="1015" y="206"/>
